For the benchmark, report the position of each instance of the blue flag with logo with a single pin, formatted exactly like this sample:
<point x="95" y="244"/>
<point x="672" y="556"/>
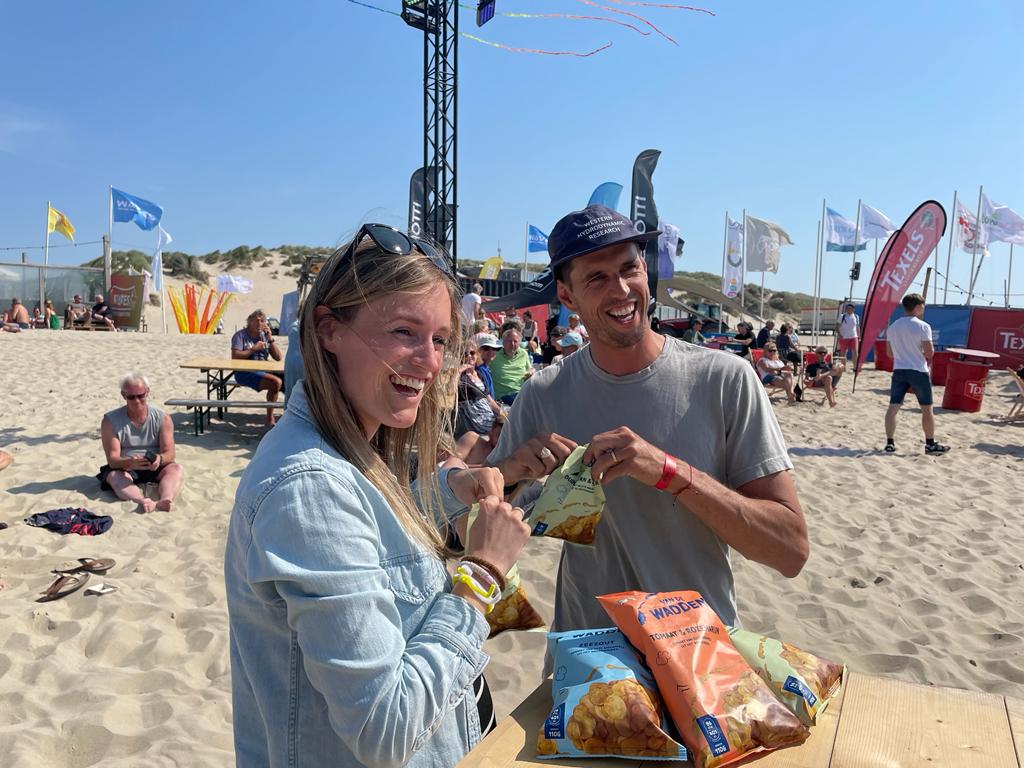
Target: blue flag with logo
<point x="130" y="208"/>
<point x="538" y="241"/>
<point x="606" y="194"/>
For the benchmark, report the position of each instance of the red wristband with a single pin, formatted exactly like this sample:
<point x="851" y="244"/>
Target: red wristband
<point x="667" y="473"/>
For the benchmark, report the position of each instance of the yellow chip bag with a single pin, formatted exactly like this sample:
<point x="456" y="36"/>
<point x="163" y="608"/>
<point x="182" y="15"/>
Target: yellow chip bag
<point x="802" y="681"/>
<point x="513" y="610"/>
<point x="571" y="503"/>
<point x="606" y="703"/>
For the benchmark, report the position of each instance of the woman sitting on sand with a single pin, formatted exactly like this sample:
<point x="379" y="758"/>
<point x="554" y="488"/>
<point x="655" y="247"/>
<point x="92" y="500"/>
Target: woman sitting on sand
<point x="350" y="646"/>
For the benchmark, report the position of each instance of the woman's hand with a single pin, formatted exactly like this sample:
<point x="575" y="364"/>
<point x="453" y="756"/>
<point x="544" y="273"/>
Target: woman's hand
<point x="473" y="485"/>
<point x="498" y="534"/>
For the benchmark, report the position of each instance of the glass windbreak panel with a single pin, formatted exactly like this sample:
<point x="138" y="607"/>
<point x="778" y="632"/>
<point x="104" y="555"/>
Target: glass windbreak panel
<point x="19" y="281"/>
<point x="63" y="283"/>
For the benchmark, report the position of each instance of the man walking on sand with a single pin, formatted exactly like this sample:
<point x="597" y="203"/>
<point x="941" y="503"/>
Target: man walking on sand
<point x="909" y="340"/>
<point x="683" y="438"/>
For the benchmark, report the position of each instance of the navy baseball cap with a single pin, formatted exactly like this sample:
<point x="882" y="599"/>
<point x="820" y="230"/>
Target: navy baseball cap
<point x="595" y="227"/>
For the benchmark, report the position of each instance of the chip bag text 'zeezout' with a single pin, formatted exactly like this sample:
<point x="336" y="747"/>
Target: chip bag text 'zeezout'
<point x="723" y="710"/>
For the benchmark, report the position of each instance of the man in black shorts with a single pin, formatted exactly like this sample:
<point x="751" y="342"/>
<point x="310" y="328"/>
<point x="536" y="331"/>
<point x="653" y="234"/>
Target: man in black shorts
<point x="909" y="340"/>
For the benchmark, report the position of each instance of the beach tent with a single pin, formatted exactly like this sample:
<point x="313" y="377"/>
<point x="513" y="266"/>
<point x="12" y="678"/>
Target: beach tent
<point x="697" y="288"/>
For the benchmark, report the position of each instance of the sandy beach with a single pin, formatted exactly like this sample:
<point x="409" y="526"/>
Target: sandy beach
<point x="916" y="567"/>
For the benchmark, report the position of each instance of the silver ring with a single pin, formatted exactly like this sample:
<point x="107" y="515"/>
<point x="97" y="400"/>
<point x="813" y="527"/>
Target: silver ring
<point x="546" y="454"/>
<point x="614" y="457"/>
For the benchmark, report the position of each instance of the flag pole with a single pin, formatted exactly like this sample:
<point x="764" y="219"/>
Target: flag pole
<point x="526" y="251"/>
<point x="817" y="273"/>
<point x="110" y="217"/>
<point x="743" y="272"/>
<point x="725" y="248"/>
<point x="1009" y="277"/>
<point x="46" y="248"/>
<point x="761" y="311"/>
<point x="821" y="247"/>
<point x="856" y="237"/>
<point x="974" y="250"/>
<point x="949" y="251"/>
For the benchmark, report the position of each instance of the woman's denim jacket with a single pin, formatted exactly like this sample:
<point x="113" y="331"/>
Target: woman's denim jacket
<point x="347" y="648"/>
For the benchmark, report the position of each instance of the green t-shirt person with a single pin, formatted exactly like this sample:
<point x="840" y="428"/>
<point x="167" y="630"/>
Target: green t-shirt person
<point x="509" y="373"/>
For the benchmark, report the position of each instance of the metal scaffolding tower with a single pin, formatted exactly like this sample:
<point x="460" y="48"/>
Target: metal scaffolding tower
<point x="439" y="21"/>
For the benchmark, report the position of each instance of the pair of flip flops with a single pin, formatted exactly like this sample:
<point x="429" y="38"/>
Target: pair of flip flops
<point x="74" y="578"/>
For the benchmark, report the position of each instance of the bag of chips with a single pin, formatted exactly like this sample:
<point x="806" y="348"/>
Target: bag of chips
<point x="606" y="703"/>
<point x="802" y="681"/>
<point x="513" y="609"/>
<point x="723" y="710"/>
<point x="571" y="503"/>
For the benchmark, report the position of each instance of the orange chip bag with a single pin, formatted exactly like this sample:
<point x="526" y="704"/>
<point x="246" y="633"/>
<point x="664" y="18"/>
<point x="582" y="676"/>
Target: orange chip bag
<point x="723" y="710"/>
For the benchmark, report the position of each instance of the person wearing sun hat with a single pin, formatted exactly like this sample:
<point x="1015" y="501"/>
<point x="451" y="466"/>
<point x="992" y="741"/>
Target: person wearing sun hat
<point x="568" y="344"/>
<point x="683" y="439"/>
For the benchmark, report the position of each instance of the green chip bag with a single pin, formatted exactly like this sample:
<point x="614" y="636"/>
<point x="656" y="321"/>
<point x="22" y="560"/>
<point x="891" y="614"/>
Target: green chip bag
<point x="801" y="681"/>
<point x="571" y="503"/>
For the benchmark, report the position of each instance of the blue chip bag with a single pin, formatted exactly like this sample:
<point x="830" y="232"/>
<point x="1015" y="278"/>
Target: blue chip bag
<point x="606" y="704"/>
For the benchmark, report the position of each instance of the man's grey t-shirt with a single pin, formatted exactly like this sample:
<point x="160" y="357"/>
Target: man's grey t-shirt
<point x="701" y="405"/>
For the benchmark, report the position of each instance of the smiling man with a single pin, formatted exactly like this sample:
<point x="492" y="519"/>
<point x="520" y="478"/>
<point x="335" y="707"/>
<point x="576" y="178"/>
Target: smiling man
<point x="691" y="457"/>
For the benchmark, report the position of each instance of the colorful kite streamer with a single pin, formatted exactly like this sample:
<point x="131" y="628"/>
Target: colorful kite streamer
<point x="635" y="16"/>
<point x="574" y="17"/>
<point x="581" y="54"/>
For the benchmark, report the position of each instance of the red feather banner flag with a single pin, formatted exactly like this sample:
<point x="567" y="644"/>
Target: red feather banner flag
<point x="904" y="254"/>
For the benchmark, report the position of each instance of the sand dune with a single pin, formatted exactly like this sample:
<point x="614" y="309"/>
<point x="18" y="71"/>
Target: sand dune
<point x="916" y="569"/>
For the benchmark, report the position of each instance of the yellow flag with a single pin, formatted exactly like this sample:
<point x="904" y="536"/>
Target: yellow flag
<point x="58" y="222"/>
<point x="491" y="268"/>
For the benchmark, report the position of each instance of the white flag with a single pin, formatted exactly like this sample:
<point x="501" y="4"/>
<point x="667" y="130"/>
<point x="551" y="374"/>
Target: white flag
<point x="967" y="229"/>
<point x="874" y="225"/>
<point x="732" y="278"/>
<point x="762" y="241"/>
<point x="668" y="247"/>
<point x="1001" y="224"/>
<point x="839" y="233"/>
<point x="163" y="237"/>
<point x="233" y="284"/>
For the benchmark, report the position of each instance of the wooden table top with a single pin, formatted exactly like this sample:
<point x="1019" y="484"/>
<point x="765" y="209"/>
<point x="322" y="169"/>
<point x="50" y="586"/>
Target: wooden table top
<point x="228" y="364"/>
<point x="874" y="722"/>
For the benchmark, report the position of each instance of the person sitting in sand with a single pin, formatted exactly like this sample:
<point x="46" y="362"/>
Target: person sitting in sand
<point x="351" y="643"/>
<point x="100" y="314"/>
<point x="825" y="374"/>
<point x="138" y="440"/>
<point x="16" y="318"/>
<point x="50" y="315"/>
<point x="76" y="313"/>
<point x="772" y="371"/>
<point x="256" y="342"/>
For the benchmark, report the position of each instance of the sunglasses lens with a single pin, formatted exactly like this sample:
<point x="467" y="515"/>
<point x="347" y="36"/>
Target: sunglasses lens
<point x="389" y="239"/>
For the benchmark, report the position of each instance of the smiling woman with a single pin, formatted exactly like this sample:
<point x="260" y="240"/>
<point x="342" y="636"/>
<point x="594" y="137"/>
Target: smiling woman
<point x="341" y="607"/>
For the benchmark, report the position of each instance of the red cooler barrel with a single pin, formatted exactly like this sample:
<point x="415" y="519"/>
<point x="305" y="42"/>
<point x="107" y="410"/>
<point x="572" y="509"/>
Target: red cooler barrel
<point x="940" y="366"/>
<point x="882" y="360"/>
<point x="965" y="386"/>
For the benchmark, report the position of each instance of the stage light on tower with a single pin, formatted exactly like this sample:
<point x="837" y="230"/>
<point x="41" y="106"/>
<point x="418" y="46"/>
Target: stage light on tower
<point x="484" y="12"/>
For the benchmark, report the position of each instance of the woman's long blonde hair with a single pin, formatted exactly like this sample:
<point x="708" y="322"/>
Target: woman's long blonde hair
<point x="345" y="286"/>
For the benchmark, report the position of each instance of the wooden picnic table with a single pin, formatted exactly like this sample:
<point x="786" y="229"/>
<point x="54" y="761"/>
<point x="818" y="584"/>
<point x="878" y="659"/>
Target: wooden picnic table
<point x="874" y="722"/>
<point x="219" y="370"/>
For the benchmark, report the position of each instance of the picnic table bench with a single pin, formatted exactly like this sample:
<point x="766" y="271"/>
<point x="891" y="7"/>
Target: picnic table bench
<point x="201" y="408"/>
<point x="220" y="384"/>
<point x="874" y="722"/>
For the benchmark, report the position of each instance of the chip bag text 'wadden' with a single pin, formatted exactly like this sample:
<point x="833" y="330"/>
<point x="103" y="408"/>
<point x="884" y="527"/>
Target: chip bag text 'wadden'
<point x="722" y="709"/>
<point x="606" y="704"/>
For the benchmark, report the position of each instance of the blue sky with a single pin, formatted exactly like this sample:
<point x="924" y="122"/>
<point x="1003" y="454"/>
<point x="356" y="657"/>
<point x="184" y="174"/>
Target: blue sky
<point x="269" y="123"/>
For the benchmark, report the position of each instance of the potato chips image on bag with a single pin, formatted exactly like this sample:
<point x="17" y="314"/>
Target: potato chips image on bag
<point x="802" y="681"/>
<point x="571" y="503"/>
<point x="606" y="704"/>
<point x="723" y="710"/>
<point x="513" y="610"/>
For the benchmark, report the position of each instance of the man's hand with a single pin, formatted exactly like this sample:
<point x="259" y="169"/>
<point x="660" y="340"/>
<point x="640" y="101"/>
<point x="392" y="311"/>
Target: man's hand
<point x="476" y="484"/>
<point x="622" y="453"/>
<point x="259" y="346"/>
<point x="537" y="457"/>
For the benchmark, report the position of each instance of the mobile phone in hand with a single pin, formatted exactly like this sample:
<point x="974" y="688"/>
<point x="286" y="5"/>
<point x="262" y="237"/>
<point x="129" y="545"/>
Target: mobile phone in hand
<point x="151" y="456"/>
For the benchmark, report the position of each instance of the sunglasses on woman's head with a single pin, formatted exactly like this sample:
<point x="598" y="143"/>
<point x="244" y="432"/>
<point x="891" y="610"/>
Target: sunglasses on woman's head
<point x="391" y="240"/>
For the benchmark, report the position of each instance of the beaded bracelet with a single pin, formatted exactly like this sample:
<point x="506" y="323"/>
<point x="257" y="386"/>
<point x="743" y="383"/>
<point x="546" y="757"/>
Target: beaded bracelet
<point x="499" y="578"/>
